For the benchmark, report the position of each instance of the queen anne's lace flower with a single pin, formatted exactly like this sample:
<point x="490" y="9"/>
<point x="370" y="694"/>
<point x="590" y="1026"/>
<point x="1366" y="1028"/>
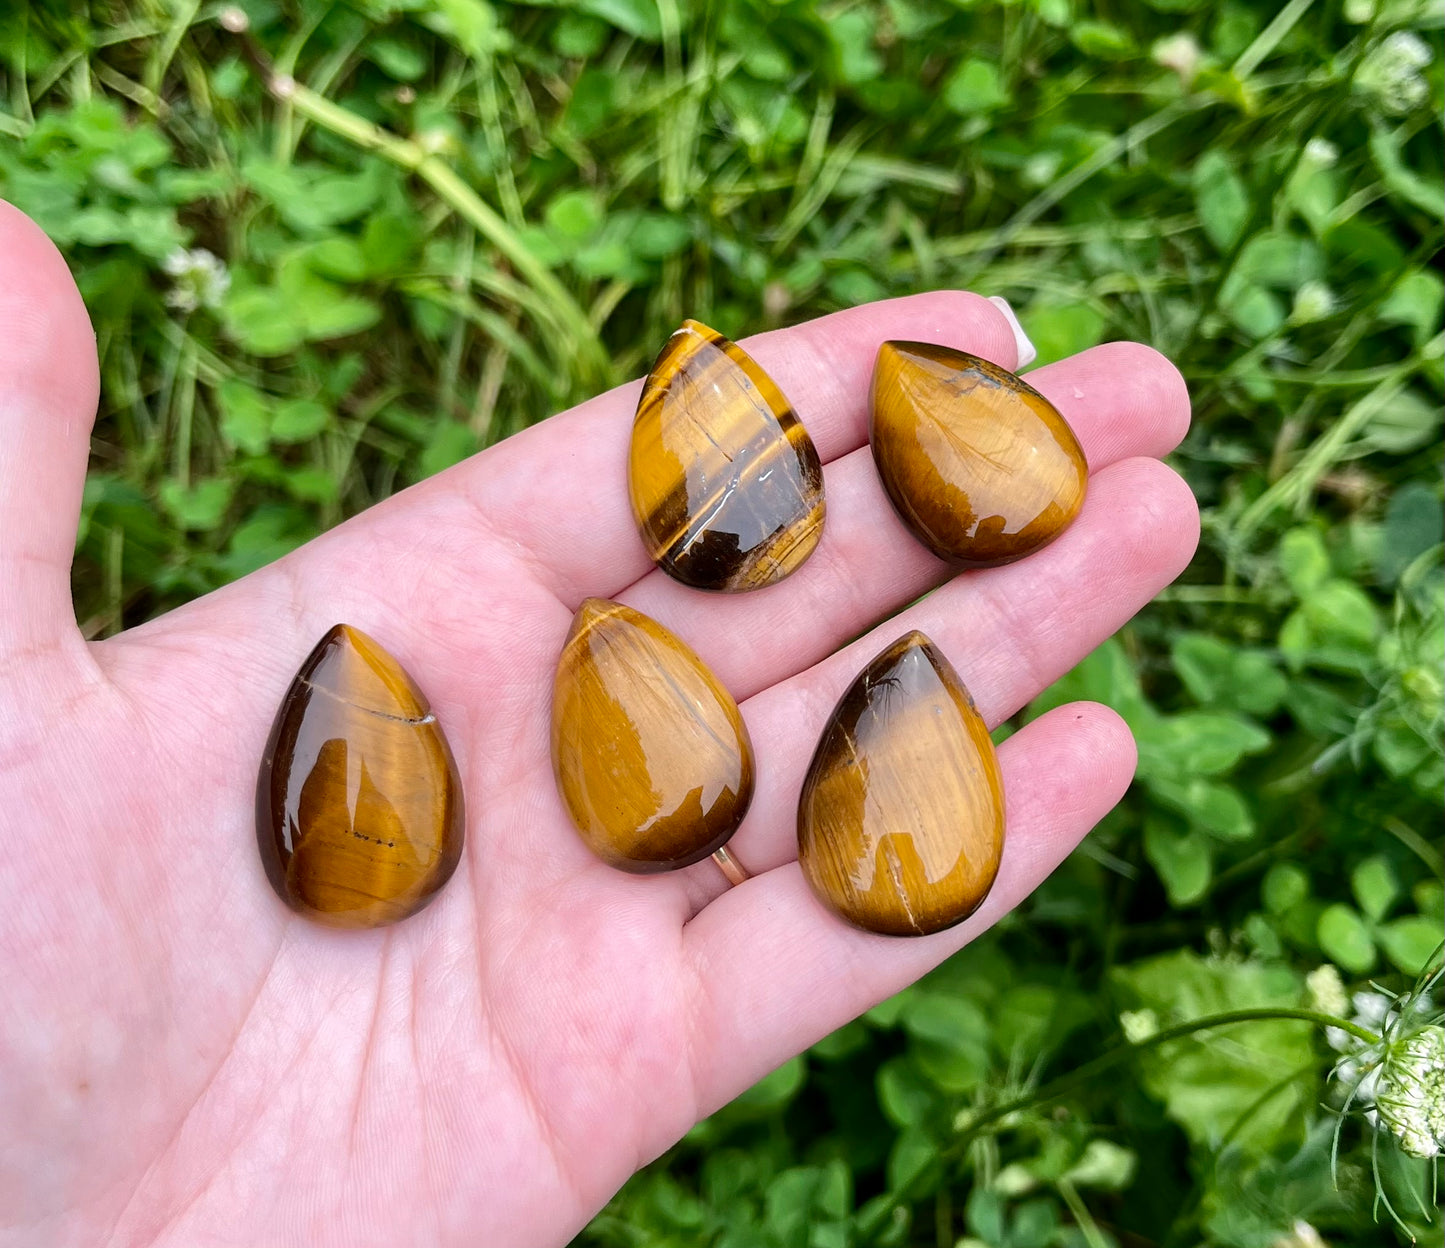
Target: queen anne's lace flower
<point x="1399" y="1081"/>
<point x="1410" y="1095"/>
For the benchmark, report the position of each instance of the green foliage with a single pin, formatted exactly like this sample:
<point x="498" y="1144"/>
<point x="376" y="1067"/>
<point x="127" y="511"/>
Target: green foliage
<point x="472" y="213"/>
<point x="1212" y="1084"/>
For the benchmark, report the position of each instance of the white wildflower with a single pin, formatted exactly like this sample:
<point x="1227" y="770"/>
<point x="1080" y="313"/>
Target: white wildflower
<point x="1301" y="1235"/>
<point x="1397" y="1081"/>
<point x="1362" y="1078"/>
<point x="1409" y="49"/>
<point x="437" y="141"/>
<point x="201" y="279"/>
<point x="1410" y="1095"/>
<point x="1320" y="153"/>
<point x="1391" y="72"/>
<point x="1138" y="1025"/>
<point x="1041" y="168"/>
<point x="1371" y="1009"/>
<point x="1327" y="991"/>
<point x="1314" y="301"/>
<point x="1179" y="52"/>
<point x="1014" y="1180"/>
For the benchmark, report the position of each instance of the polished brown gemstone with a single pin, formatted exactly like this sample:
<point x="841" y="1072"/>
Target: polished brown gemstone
<point x="725" y="482"/>
<point x="900" y="823"/>
<point x="358" y="805"/>
<point x="981" y="467"/>
<point x="652" y="759"/>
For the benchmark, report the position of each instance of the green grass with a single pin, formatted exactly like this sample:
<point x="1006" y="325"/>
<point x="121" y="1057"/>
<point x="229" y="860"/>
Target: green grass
<point x="452" y="218"/>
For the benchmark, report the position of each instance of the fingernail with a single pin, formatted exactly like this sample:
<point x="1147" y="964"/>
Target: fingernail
<point x="1027" y="354"/>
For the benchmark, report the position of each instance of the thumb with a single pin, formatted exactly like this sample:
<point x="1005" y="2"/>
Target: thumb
<point x="49" y="385"/>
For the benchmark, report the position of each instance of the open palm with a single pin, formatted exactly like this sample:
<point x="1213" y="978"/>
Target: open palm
<point x="184" y="1061"/>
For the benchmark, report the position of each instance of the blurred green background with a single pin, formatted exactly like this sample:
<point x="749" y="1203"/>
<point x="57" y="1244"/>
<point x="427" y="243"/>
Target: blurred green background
<point x="458" y="216"/>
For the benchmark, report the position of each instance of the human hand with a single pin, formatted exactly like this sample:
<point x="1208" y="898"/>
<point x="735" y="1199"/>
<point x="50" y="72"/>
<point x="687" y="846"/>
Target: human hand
<point x="184" y="1061"/>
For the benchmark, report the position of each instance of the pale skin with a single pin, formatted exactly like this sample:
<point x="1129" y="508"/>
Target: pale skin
<point x="183" y="1061"/>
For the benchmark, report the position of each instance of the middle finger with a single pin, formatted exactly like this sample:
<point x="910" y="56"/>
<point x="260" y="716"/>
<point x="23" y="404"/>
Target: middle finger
<point x="1122" y="400"/>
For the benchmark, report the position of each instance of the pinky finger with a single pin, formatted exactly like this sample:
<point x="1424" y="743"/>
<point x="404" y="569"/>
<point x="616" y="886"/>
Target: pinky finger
<point x="777" y="972"/>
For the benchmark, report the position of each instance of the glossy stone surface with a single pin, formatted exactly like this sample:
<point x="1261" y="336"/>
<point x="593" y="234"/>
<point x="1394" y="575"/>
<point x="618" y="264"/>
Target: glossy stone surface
<point x="980" y="466"/>
<point x="651" y="756"/>
<point x="901" y="818"/>
<point x="725" y="482"/>
<point x="358" y="805"/>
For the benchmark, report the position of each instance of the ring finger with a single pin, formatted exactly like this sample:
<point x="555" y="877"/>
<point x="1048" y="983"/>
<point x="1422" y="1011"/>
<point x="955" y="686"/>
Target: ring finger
<point x="1009" y="632"/>
<point x="1122" y="399"/>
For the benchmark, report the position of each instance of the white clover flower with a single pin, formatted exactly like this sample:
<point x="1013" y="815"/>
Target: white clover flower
<point x="1301" y="1235"/>
<point x="1041" y="168"/>
<point x="437" y="141"/>
<point x="201" y="279"/>
<point x="1320" y="153"/>
<point x="1391" y="72"/>
<point x="1409" y="49"/>
<point x="1314" y="301"/>
<point x="1014" y="1180"/>
<point x="1410" y="1096"/>
<point x="1179" y="52"/>
<point x="1138" y="1025"/>
<point x="1327" y="992"/>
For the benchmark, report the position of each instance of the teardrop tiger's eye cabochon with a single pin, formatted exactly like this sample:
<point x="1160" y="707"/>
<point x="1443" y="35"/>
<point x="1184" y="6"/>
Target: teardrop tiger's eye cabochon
<point x="651" y="756"/>
<point x="901" y="818"/>
<point x="725" y="482"/>
<point x="977" y="463"/>
<point x="359" y="812"/>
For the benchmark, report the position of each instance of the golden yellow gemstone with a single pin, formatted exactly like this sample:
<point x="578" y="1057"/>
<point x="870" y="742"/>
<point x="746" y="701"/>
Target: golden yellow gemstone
<point x="651" y="756"/>
<point x="358" y="804"/>
<point x="980" y="466"/>
<point x="901" y="818"/>
<point x="725" y="482"/>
